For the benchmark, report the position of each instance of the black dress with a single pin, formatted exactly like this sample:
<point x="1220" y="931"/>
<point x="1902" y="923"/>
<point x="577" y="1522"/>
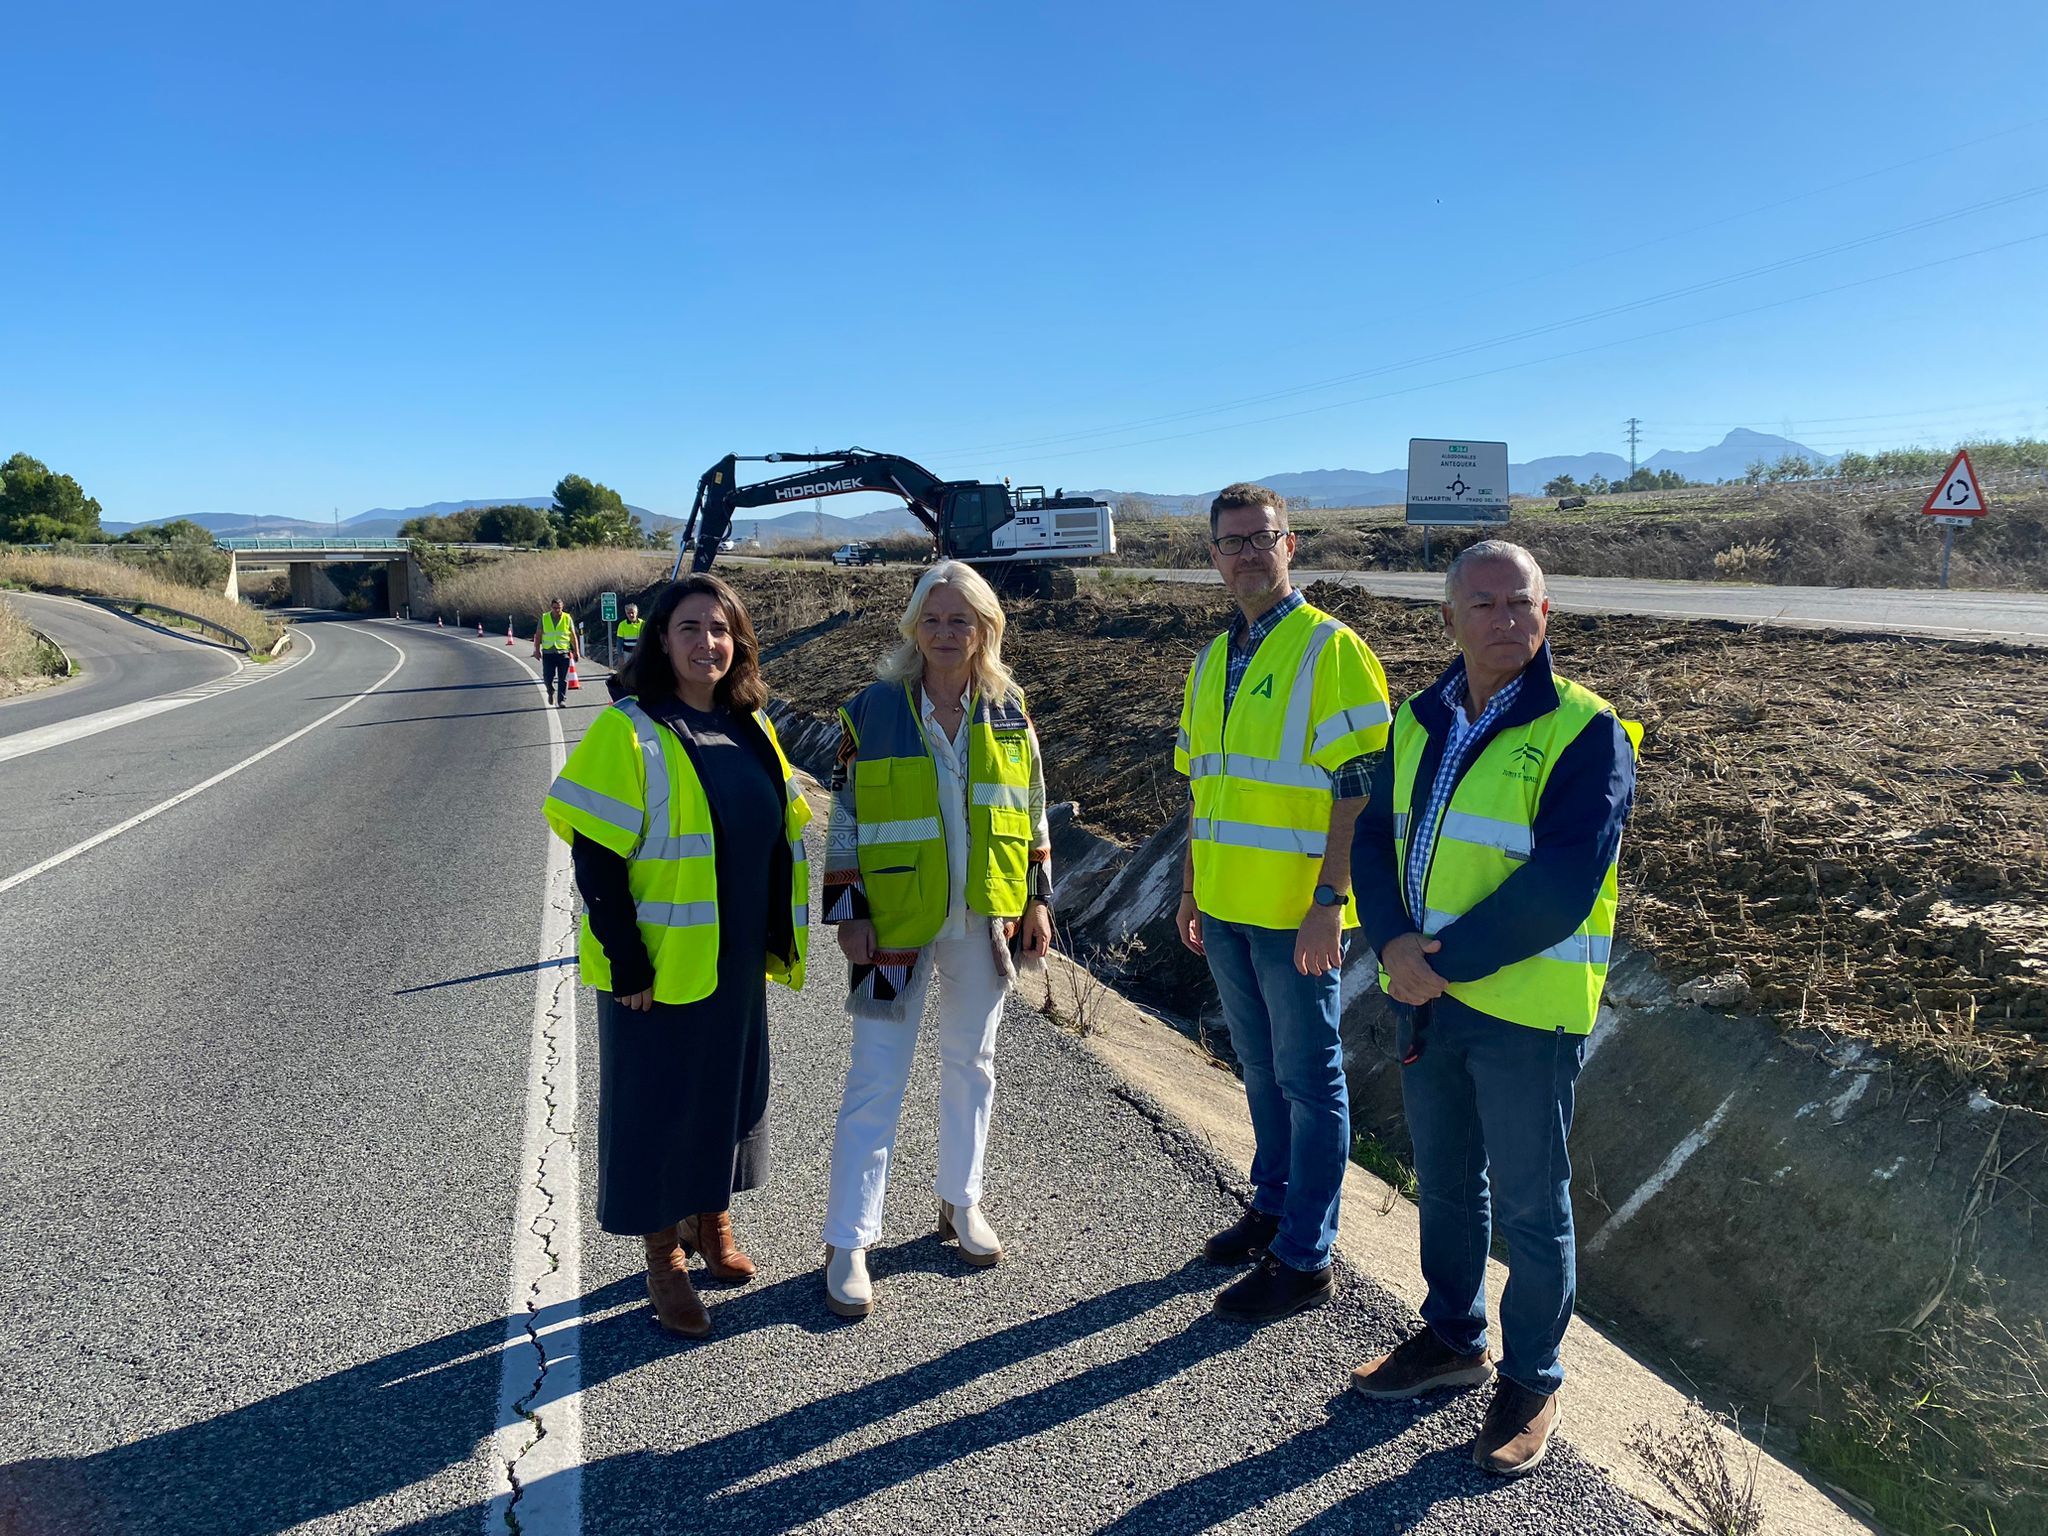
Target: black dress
<point x="682" y="1097"/>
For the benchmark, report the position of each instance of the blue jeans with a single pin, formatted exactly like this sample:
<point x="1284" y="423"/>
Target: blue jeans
<point x="1283" y="1027"/>
<point x="1489" y="1106"/>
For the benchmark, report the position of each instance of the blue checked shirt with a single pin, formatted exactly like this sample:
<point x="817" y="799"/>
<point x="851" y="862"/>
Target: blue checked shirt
<point x="1422" y="837"/>
<point x="1352" y="781"/>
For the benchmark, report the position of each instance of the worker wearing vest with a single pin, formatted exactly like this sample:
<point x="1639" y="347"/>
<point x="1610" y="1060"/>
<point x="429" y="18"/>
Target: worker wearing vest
<point x="554" y="644"/>
<point x="1279" y="722"/>
<point x="629" y="631"/>
<point x="938" y="861"/>
<point x="686" y="828"/>
<point x="1486" y="881"/>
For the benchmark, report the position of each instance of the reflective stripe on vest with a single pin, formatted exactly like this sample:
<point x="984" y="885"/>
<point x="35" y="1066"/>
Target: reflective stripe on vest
<point x="1487" y="832"/>
<point x="1261" y="771"/>
<point x="555" y="632"/>
<point x="901" y="842"/>
<point x="670" y="849"/>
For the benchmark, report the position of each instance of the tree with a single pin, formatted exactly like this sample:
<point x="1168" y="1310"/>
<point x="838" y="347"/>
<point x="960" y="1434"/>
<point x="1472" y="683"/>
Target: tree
<point x="1597" y="486"/>
<point x="179" y="530"/>
<point x="37" y="507"/>
<point x="511" y="525"/>
<point x="586" y="512"/>
<point x="455" y="528"/>
<point x="1561" y="485"/>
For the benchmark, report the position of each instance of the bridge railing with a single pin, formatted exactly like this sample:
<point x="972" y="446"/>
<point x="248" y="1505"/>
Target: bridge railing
<point x="397" y="546"/>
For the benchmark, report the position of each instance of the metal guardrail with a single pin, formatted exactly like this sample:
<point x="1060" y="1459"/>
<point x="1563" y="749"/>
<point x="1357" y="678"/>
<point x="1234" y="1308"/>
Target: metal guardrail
<point x="396" y="545"/>
<point x="136" y="605"/>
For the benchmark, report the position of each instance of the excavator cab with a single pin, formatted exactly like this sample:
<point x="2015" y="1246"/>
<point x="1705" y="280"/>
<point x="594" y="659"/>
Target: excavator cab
<point x="972" y="515"/>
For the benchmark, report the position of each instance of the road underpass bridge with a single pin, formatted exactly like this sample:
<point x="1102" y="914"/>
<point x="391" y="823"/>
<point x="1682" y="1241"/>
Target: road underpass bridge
<point x="308" y="563"/>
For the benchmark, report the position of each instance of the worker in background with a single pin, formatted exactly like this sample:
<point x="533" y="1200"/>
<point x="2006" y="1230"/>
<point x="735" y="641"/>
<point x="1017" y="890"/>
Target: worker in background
<point x="685" y="922"/>
<point x="938" y="863"/>
<point x="554" y="645"/>
<point x="629" y="632"/>
<point x="1279" y="722"/>
<point x="1486" y="881"/>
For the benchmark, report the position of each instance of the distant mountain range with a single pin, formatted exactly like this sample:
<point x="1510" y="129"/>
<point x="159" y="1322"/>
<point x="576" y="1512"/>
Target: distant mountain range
<point x="1725" y="460"/>
<point x="377" y="523"/>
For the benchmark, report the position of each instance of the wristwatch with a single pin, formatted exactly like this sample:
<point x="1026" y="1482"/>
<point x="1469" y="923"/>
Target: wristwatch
<point x="1330" y="896"/>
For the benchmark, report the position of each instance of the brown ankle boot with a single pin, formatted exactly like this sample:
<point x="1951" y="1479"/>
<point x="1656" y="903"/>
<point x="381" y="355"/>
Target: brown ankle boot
<point x="668" y="1286"/>
<point x="711" y="1236"/>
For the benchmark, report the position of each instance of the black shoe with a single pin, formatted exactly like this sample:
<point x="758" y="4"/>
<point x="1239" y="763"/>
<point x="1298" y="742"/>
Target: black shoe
<point x="1243" y="1240"/>
<point x="1274" y="1290"/>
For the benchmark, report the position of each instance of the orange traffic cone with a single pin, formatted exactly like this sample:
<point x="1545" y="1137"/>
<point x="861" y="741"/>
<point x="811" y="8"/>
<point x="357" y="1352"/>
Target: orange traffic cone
<point x="437" y="622"/>
<point x="479" y="629"/>
<point x="508" y="631"/>
<point x="572" y="673"/>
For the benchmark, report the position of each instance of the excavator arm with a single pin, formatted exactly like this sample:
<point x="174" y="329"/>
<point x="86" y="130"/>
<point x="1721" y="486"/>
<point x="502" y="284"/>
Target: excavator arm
<point x="838" y="473"/>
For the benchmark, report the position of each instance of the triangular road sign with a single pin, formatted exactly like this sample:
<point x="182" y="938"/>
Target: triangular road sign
<point x="1958" y="494"/>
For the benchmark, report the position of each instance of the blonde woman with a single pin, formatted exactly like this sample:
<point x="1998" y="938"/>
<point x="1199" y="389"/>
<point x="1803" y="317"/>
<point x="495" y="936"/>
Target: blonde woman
<point x="937" y="860"/>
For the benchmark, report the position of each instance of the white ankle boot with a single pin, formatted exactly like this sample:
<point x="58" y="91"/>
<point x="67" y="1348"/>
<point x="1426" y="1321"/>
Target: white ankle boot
<point x="979" y="1244"/>
<point x="848" y="1291"/>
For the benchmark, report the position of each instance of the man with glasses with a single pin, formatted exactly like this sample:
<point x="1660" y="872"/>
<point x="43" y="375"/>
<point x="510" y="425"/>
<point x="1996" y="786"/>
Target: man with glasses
<point x="1281" y="717"/>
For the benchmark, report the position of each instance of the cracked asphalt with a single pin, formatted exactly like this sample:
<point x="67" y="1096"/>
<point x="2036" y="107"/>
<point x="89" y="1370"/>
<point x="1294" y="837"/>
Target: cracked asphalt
<point x="262" y="1149"/>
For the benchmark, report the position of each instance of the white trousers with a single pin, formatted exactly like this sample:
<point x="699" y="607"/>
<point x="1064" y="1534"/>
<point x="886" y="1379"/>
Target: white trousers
<point x="971" y="993"/>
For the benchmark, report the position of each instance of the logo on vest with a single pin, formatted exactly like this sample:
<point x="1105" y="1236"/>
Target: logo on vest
<point x="1264" y="687"/>
<point x="1524" y="762"/>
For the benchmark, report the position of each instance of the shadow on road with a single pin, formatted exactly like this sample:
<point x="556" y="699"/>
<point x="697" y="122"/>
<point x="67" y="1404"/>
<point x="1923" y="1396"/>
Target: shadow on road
<point x="463" y="981"/>
<point x="330" y="1445"/>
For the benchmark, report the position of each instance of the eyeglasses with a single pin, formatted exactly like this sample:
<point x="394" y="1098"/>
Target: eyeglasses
<point x="1234" y="543"/>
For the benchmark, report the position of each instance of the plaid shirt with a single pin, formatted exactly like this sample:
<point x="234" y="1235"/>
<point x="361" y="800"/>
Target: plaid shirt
<point x="1352" y="781"/>
<point x="1422" y="834"/>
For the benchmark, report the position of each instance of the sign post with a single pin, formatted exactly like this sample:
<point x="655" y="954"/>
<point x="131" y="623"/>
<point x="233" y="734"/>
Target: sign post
<point x="1455" y="485"/>
<point x="608" y="610"/>
<point x="1956" y="502"/>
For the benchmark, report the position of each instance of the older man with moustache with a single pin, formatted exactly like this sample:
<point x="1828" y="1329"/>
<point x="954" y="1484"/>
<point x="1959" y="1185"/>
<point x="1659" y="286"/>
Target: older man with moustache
<point x="1486" y="881"/>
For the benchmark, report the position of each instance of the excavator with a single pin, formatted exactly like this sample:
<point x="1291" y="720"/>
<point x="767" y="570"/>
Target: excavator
<point x="1023" y="540"/>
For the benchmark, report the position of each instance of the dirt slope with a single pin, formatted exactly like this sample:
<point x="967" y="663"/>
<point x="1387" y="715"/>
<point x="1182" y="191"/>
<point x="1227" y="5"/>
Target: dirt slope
<point x="1848" y="830"/>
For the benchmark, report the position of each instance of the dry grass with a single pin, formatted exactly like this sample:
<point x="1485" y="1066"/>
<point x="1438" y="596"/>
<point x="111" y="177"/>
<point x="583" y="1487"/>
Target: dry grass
<point x="109" y="578"/>
<point x="520" y="586"/>
<point x="24" y="659"/>
<point x="1690" y="1461"/>
<point x="1804" y="535"/>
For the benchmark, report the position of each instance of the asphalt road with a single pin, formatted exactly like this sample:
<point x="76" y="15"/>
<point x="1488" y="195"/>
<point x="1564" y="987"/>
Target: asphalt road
<point x="262" y="1150"/>
<point x="2021" y="617"/>
<point x="119" y="660"/>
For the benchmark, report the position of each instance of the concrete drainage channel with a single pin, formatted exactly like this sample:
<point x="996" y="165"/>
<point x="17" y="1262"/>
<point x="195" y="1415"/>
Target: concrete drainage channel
<point x="1752" y="1202"/>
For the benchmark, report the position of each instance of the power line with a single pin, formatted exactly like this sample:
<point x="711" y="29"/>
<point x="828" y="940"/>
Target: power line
<point x="1527" y="333"/>
<point x="1634" y="431"/>
<point x="1600" y="346"/>
<point x="1524" y="279"/>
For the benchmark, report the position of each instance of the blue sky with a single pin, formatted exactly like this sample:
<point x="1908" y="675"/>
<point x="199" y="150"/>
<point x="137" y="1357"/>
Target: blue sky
<point x="281" y="259"/>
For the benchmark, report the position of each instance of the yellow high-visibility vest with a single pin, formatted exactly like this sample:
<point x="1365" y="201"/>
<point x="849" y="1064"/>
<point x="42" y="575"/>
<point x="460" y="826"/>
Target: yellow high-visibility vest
<point x="902" y="850"/>
<point x="1313" y="698"/>
<point x="555" y="633"/>
<point x="630" y="786"/>
<point x="1487" y="830"/>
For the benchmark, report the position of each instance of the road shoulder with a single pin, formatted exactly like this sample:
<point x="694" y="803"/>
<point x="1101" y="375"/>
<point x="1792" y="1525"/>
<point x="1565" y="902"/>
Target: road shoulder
<point x="1610" y="1394"/>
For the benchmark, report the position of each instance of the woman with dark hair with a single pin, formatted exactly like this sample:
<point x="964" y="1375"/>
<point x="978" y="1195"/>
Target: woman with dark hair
<point x="686" y="828"/>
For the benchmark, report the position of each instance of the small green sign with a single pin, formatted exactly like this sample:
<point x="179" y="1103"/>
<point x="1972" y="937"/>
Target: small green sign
<point x="608" y="607"/>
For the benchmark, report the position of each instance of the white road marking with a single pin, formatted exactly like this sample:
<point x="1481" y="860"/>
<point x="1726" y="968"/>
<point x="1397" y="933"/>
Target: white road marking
<point x="62" y="732"/>
<point x="537" y="1467"/>
<point x="21" y="877"/>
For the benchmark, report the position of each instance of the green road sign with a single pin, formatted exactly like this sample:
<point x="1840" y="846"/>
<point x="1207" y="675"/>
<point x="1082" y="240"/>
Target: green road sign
<point x="608" y="607"/>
